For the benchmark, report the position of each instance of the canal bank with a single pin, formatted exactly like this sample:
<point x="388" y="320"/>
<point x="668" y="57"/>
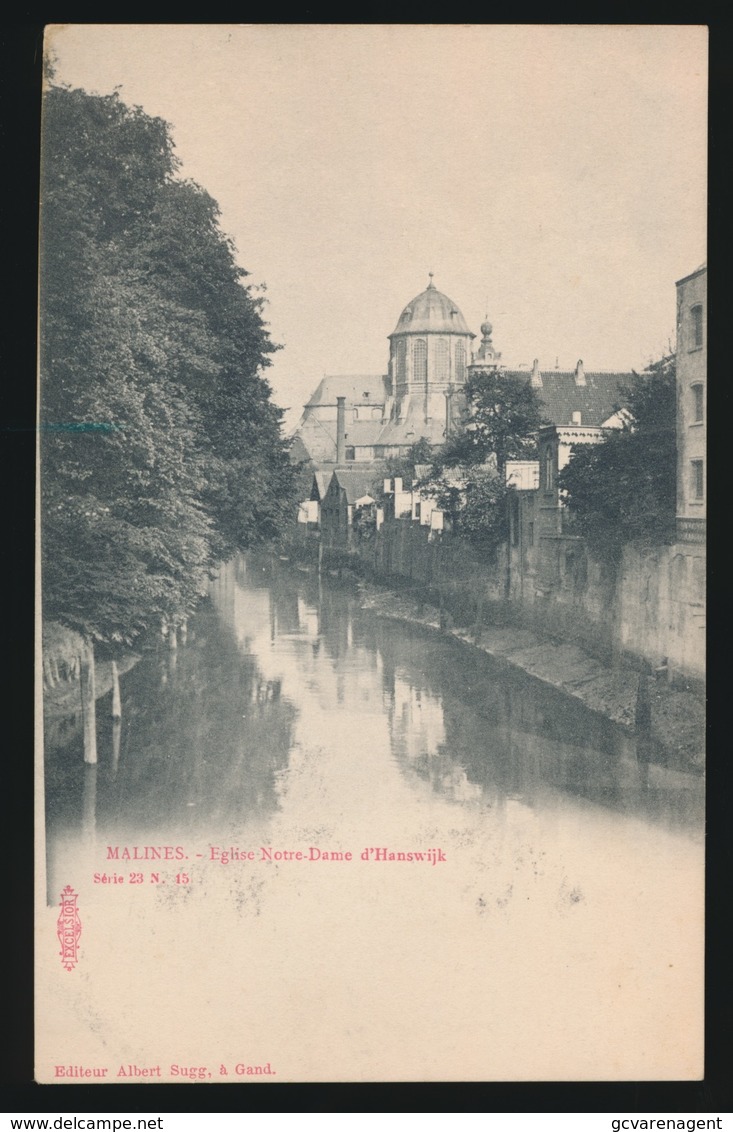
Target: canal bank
<point x="677" y="717"/>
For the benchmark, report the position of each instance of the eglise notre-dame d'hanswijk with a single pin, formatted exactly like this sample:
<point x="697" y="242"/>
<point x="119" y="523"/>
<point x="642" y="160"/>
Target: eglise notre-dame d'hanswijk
<point x="363" y="418"/>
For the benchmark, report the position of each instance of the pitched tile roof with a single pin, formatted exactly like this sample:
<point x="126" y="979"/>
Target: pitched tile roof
<point x="356" y="482"/>
<point x="596" y="401"/>
<point x="352" y="387"/>
<point x="321" y="481"/>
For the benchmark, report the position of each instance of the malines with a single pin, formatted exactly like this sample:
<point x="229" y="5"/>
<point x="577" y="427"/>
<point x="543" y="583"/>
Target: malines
<point x="146" y="853"/>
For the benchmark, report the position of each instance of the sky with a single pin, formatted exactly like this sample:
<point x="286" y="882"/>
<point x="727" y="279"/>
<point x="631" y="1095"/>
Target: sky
<point x="552" y="177"/>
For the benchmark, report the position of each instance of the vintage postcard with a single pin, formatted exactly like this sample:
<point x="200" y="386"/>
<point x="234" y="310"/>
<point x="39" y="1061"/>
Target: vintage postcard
<point x="372" y="442"/>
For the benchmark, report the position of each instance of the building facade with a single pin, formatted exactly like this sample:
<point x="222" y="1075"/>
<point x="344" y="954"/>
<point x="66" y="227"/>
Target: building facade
<point x="385" y="414"/>
<point x="691" y="406"/>
<point x="422" y="394"/>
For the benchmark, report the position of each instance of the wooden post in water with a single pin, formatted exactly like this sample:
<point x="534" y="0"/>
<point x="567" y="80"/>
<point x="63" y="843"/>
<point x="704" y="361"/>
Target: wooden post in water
<point x="89" y="801"/>
<point x="116" y="701"/>
<point x="88" y="704"/>
<point x="116" y="737"/>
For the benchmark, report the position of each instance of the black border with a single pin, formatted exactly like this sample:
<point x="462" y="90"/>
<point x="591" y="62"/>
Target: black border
<point x="20" y="79"/>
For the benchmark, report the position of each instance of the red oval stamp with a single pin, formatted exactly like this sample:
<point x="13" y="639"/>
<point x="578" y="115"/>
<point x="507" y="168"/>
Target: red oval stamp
<point x="68" y="928"/>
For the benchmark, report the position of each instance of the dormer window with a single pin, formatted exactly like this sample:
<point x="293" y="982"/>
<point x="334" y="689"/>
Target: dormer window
<point x="696" y="326"/>
<point x="577" y="417"/>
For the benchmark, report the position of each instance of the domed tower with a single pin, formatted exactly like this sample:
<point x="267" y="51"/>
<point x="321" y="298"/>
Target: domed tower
<point x="430" y="349"/>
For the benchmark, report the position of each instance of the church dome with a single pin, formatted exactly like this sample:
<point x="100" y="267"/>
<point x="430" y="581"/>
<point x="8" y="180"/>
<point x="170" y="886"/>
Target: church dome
<point x="431" y="311"/>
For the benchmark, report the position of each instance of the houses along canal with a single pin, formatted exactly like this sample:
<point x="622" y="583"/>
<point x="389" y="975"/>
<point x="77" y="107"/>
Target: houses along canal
<point x="558" y="897"/>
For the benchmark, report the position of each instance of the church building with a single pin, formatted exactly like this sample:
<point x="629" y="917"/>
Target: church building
<point x="365" y="418"/>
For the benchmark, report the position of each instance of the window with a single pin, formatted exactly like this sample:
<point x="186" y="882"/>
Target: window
<point x="696" y="317"/>
<point x="698" y="480"/>
<point x="420" y="360"/>
<point x="442" y="355"/>
<point x="401" y="359"/>
<point x="530" y="534"/>
<point x="460" y="361"/>
<point x="698" y="408"/>
<point x="577" y="417"/>
<point x="350" y="453"/>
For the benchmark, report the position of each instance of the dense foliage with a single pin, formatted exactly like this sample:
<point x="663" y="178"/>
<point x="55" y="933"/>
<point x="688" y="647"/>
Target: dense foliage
<point x="475" y="498"/>
<point x="403" y="467"/>
<point x="161" y="448"/>
<point x="503" y="415"/>
<point x="623" y="490"/>
<point x="467" y="480"/>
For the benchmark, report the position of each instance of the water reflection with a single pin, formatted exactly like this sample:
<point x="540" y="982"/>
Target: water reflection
<point x="572" y="871"/>
<point x="279" y="671"/>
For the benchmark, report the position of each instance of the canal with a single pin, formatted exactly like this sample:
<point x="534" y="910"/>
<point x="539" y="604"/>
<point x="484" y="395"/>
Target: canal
<point x="551" y="929"/>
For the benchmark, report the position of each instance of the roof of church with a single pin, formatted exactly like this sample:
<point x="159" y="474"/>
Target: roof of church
<point x="562" y="396"/>
<point x="431" y="311"/>
<point x="363" y="432"/>
<point x="351" y="386"/>
<point x="298" y="451"/>
<point x="411" y="429"/>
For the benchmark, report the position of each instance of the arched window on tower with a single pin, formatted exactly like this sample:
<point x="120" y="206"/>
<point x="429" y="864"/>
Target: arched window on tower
<point x="442" y="358"/>
<point x="460" y="361"/>
<point x="400" y="359"/>
<point x="420" y="360"/>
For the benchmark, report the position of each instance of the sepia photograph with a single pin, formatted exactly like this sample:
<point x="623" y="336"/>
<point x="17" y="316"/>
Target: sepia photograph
<point x="370" y="656"/>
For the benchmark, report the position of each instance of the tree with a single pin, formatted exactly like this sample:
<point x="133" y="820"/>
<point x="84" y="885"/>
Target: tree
<point x="403" y="467"/>
<point x="467" y="478"/>
<point x="503" y="415"/>
<point x="161" y="449"/>
<point x="624" y="489"/>
<point x="475" y="498"/>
